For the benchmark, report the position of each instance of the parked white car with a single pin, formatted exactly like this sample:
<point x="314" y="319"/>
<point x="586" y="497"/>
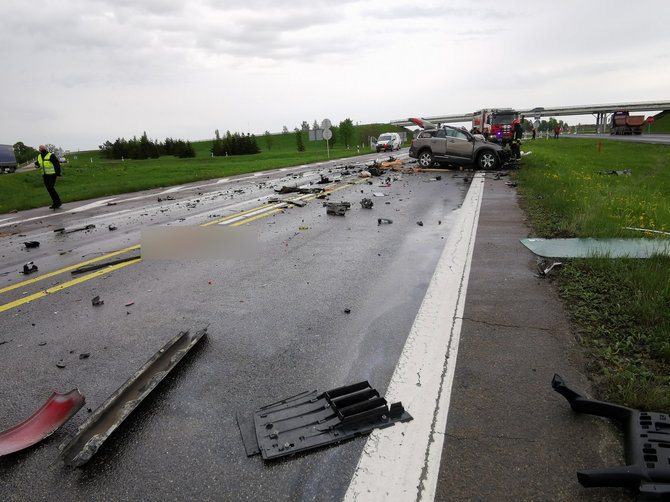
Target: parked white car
<point x="389" y="141"/>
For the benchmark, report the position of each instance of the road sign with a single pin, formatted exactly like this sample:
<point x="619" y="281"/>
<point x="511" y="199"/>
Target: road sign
<point x="650" y="120"/>
<point x="327" y="134"/>
<point x="325" y="124"/>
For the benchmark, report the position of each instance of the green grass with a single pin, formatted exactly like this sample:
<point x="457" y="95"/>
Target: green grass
<point x="660" y="126"/>
<point x="620" y="307"/>
<point x="87" y="175"/>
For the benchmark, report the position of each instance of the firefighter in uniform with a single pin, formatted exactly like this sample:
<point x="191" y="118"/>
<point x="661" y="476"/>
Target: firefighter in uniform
<point x="517" y="133"/>
<point x="50" y="166"/>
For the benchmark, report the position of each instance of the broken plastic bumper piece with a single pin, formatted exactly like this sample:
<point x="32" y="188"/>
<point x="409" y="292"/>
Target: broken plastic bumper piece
<point x="647" y="446"/>
<point x="310" y="420"/>
<point x="57" y="410"/>
<point x="105" y="420"/>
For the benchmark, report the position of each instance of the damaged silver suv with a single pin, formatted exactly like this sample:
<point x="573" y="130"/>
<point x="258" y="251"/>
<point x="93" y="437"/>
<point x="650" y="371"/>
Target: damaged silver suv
<point x="455" y="146"/>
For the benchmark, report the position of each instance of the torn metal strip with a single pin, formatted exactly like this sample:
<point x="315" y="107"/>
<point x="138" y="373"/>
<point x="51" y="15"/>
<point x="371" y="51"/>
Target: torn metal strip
<point x="57" y="410"/>
<point x="98" y="266"/>
<point x="92" y="433"/>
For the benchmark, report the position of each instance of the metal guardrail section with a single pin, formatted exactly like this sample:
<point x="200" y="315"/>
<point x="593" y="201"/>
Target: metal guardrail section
<point x="92" y="433"/>
<point x="553" y="111"/>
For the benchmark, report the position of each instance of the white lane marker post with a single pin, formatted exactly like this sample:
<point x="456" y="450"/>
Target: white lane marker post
<point x="401" y="463"/>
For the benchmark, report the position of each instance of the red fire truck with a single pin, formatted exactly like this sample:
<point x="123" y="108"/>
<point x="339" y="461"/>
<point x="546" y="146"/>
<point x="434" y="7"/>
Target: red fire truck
<point x="495" y="124"/>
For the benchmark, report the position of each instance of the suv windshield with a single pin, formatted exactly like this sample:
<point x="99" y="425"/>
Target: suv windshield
<point x="384" y="137"/>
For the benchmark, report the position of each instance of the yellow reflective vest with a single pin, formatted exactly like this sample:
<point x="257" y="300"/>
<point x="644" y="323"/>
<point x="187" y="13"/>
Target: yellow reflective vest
<point x="46" y="164"/>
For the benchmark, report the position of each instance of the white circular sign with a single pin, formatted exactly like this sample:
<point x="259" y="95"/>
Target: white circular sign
<point x="326" y="124"/>
<point x="327" y="134"/>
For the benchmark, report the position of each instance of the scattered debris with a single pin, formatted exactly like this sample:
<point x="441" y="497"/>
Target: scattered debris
<point x="29" y="268"/>
<point x="96" y="301"/>
<point x="298" y="203"/>
<point x="60" y="364"/>
<point x="323" y="181"/>
<point x="98" y="266"/>
<point x="128" y="304"/>
<point x="627" y="172"/>
<point x="378" y="194"/>
<point x="364" y="174"/>
<point x="77" y="229"/>
<point x="111" y="228"/>
<point x="111" y="203"/>
<point x="57" y="410"/>
<point x="420" y="223"/>
<point x="84" y="355"/>
<point x="367" y="203"/>
<point x="543" y="270"/>
<point x="31" y="244"/>
<point x="383" y="220"/>
<point x="310" y="420"/>
<point x="107" y="418"/>
<point x="337" y="208"/>
<point x="41" y="344"/>
<point x="647" y="435"/>
<point x="511" y="184"/>
<point x="303" y="228"/>
<point x="347" y="311"/>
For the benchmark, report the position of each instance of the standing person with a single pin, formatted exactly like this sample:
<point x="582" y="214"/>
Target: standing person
<point x="557" y="131"/>
<point x="50" y="166"/>
<point x="533" y="133"/>
<point x="517" y="133"/>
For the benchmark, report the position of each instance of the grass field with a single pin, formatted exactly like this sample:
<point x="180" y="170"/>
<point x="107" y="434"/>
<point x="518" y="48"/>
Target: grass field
<point x="620" y="307"/>
<point x="87" y="175"/>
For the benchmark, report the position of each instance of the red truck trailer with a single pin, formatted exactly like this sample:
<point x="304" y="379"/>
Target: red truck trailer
<point x="624" y="123"/>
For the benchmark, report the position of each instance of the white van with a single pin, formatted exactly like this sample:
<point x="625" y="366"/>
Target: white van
<point x="389" y="141"/>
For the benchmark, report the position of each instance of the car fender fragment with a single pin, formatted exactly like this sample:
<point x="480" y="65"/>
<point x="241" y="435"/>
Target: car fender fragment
<point x="57" y="410"/>
<point x="107" y="418"/>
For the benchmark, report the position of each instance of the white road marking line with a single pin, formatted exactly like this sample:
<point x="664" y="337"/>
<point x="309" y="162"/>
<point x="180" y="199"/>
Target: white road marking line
<point x="92" y="205"/>
<point x="401" y="463"/>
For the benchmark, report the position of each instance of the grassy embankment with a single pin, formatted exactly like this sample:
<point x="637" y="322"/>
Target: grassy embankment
<point x="86" y="175"/>
<point x="620" y="307"/>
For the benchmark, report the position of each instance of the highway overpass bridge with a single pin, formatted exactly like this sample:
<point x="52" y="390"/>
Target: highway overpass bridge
<point x="599" y="111"/>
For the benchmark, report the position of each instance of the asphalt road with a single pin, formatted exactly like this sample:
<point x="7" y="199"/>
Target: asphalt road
<point x="321" y="301"/>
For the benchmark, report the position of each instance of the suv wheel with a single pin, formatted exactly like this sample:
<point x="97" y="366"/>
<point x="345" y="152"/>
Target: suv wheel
<point x="426" y="159"/>
<point x="487" y="160"/>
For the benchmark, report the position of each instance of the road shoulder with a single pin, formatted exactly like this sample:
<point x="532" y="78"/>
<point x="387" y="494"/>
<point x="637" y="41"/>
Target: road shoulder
<point x="509" y="435"/>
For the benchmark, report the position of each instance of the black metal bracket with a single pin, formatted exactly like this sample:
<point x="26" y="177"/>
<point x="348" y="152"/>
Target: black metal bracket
<point x="647" y="446"/>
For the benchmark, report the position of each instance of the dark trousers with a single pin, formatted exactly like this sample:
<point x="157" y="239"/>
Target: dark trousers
<point x="50" y="183"/>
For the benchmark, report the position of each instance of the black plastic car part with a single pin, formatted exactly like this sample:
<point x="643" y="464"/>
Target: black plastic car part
<point x="647" y="446"/>
<point x="310" y="420"/>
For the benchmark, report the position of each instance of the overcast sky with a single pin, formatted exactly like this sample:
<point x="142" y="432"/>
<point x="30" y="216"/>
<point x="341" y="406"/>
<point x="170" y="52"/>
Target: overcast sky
<point x="79" y="72"/>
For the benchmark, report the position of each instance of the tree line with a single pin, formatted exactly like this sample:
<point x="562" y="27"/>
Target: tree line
<point x="234" y="144"/>
<point x="144" y="148"/>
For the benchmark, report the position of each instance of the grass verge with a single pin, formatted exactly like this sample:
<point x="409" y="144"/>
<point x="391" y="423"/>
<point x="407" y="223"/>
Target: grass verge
<point x="86" y="175"/>
<point x="620" y="307"/>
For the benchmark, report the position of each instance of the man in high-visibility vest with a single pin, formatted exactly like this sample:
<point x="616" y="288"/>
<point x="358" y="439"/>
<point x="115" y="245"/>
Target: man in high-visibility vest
<point x="50" y="166"/>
